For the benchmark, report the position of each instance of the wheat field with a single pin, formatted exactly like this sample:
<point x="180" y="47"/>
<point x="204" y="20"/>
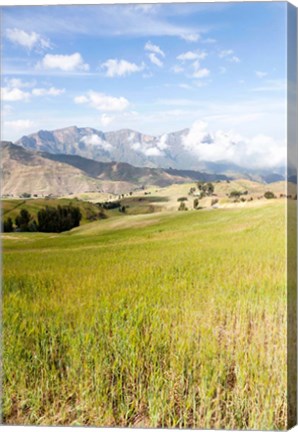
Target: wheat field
<point x="163" y="320"/>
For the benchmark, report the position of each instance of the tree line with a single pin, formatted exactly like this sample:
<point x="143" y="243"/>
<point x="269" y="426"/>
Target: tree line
<point x="49" y="219"/>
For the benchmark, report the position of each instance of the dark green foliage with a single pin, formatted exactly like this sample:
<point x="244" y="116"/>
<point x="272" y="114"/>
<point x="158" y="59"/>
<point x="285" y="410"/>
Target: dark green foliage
<point x="195" y="203"/>
<point x="235" y="194"/>
<point x="26" y="195"/>
<point x="109" y="205"/>
<point x="181" y="199"/>
<point x="269" y="195"/>
<point x="182" y="206"/>
<point x="7" y="225"/>
<point x="22" y="220"/>
<point x="206" y="189"/>
<point x="62" y="218"/>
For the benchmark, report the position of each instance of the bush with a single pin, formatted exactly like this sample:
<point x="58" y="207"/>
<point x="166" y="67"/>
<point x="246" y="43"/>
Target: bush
<point x="195" y="203"/>
<point x="269" y="195"/>
<point x="181" y="199"/>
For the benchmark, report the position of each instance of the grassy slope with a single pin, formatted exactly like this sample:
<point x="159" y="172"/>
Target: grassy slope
<point x="170" y="319"/>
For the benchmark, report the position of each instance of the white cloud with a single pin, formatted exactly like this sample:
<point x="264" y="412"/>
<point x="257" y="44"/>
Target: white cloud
<point x="27" y="40"/>
<point x="66" y="63"/>
<point x="103" y="102"/>
<point x="229" y="56"/>
<point x="95" y="140"/>
<point x="191" y="37"/>
<point x="225" y="53"/>
<point x="19" y="125"/>
<point x="199" y="72"/>
<point x="136" y="146"/>
<point x="258" y="151"/>
<point x="52" y="91"/>
<point x="16" y="82"/>
<point x="234" y="59"/>
<point x="14" y="94"/>
<point x="105" y="120"/>
<point x="192" y="55"/>
<point x="152" y="151"/>
<point x="261" y="74"/>
<point x="177" y="69"/>
<point x="162" y="142"/>
<point x="154" y="49"/>
<point x="155" y="60"/>
<point x="115" y="67"/>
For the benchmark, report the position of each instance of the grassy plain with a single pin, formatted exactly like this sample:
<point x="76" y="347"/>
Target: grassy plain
<point x="171" y="319"/>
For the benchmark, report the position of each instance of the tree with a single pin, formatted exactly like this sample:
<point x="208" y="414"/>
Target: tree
<point x="182" y="206"/>
<point x="195" y="203"/>
<point x="8" y="225"/>
<point x="22" y="220"/>
<point x="269" y="195"/>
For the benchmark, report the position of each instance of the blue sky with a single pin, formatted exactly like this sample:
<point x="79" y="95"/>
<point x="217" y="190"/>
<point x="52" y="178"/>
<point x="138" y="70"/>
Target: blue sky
<point x="152" y="68"/>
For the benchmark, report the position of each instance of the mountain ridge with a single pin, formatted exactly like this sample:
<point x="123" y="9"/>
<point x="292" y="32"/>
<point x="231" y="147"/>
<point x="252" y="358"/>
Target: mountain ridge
<point x="59" y="174"/>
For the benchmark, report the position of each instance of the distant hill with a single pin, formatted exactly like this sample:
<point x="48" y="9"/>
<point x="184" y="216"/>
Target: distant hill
<point x="140" y="150"/>
<point x="43" y="173"/>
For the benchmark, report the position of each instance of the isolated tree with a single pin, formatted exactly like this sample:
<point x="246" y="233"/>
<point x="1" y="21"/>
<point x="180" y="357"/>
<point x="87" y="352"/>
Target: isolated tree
<point x="195" y="203"/>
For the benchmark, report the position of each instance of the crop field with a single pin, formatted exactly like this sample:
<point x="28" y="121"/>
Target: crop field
<point x="171" y="319"/>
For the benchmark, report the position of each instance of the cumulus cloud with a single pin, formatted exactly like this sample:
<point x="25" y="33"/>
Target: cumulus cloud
<point x="105" y="120"/>
<point x="13" y="91"/>
<point x="192" y="55"/>
<point x="66" y="63"/>
<point x="103" y="102"/>
<point x="95" y="140"/>
<point x="162" y="142"/>
<point x="154" y="49"/>
<point x="52" y="91"/>
<point x="115" y="67"/>
<point x="229" y="56"/>
<point x="152" y="151"/>
<point x="155" y="60"/>
<point x="27" y="40"/>
<point x="256" y="152"/>
<point x="14" y="94"/>
<point x="199" y="72"/>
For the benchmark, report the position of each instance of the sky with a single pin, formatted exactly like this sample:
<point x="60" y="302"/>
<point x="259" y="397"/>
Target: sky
<point x="218" y="69"/>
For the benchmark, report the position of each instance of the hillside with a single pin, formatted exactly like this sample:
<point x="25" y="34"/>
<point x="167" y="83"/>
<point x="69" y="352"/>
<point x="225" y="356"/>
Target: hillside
<point x="41" y="173"/>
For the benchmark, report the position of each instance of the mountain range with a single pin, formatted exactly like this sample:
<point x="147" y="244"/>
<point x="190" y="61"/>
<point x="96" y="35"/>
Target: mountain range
<point x="140" y="150"/>
<point x="43" y="173"/>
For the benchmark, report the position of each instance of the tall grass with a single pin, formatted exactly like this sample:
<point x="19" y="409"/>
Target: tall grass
<point x="175" y="320"/>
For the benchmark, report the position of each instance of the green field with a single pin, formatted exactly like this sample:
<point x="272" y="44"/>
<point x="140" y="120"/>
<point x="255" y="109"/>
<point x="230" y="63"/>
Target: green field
<point x="159" y="320"/>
